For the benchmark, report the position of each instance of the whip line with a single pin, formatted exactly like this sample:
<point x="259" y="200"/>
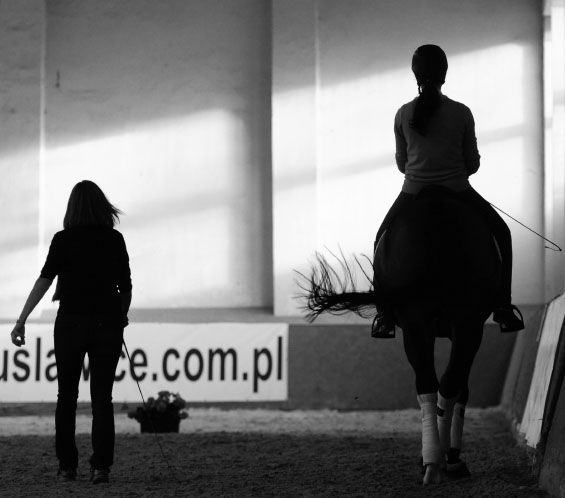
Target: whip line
<point x="151" y="420"/>
<point x="525" y="226"/>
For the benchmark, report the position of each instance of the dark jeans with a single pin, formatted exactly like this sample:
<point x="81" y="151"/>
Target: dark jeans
<point x="498" y="227"/>
<point x="100" y="338"/>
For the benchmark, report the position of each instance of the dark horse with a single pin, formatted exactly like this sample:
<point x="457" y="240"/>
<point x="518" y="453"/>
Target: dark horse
<point x="437" y="267"/>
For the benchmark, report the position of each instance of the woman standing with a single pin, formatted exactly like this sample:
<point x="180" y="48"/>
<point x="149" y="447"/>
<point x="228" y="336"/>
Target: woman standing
<point x="94" y="287"/>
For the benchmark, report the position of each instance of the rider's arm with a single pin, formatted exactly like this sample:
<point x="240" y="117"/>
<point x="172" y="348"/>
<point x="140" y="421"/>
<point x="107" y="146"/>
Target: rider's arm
<point x="401" y="154"/>
<point x="470" y="150"/>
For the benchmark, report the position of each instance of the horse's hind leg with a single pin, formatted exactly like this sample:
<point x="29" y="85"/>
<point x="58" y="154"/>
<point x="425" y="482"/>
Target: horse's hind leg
<point x="458" y="421"/>
<point x="445" y="410"/>
<point x="457" y="468"/>
<point x="419" y="348"/>
<point x="454" y="393"/>
<point x="431" y="449"/>
<point x="450" y="419"/>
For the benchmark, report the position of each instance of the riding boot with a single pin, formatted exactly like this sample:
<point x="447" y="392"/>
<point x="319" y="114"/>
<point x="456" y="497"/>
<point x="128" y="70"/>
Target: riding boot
<point x="509" y="322"/>
<point x="504" y="311"/>
<point x="384" y="326"/>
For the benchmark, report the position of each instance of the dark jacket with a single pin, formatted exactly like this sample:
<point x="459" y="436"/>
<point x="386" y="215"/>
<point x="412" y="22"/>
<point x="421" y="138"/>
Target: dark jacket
<point x="92" y="264"/>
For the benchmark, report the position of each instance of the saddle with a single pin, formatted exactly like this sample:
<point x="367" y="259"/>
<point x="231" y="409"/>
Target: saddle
<point x="438" y="250"/>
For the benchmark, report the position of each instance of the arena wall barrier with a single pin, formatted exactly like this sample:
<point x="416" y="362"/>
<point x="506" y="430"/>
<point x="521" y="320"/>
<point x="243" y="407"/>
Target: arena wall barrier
<point x="534" y="396"/>
<point x="251" y="363"/>
<point x="521" y="366"/>
<point x="552" y="471"/>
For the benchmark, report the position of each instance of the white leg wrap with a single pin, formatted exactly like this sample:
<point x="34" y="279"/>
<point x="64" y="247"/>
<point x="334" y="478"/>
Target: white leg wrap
<point x="431" y="451"/>
<point x="444" y="415"/>
<point x="457" y="426"/>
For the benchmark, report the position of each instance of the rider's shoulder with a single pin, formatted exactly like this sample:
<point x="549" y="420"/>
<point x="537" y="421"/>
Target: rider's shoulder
<point x="455" y="104"/>
<point x="407" y="107"/>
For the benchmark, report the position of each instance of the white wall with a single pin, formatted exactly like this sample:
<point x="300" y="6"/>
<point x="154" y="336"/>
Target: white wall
<point x="360" y="60"/>
<point x="22" y="24"/>
<point x="167" y="106"/>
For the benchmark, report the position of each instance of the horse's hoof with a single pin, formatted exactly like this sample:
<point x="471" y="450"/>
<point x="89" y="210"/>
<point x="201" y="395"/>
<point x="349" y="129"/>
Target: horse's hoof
<point x="432" y="475"/>
<point x="457" y="470"/>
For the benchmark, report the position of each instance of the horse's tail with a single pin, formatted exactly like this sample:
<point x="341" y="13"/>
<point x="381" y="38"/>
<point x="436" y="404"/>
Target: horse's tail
<point x="328" y="291"/>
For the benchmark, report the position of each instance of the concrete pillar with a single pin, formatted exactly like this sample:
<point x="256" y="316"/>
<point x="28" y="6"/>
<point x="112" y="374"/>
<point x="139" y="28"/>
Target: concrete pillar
<point x="22" y="33"/>
<point x="294" y="143"/>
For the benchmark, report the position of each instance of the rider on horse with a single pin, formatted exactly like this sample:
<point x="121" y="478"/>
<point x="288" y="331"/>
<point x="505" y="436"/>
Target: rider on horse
<point x="436" y="145"/>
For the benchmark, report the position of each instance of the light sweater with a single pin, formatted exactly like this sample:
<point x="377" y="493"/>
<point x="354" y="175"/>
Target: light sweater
<point x="447" y="155"/>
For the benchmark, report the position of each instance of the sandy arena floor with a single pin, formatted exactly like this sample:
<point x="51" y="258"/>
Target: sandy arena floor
<point x="268" y="453"/>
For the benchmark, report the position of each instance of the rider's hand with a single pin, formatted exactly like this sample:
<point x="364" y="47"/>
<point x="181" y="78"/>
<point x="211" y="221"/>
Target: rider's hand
<point x="18" y="334"/>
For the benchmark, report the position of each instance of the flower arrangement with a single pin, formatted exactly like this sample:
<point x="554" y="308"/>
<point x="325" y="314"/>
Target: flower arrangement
<point x="162" y="414"/>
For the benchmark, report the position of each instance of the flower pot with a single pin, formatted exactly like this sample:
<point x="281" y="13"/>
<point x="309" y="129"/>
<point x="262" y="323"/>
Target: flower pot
<point x="160" y="423"/>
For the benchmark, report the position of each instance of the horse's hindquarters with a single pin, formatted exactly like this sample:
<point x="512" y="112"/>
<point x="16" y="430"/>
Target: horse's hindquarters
<point x="438" y="253"/>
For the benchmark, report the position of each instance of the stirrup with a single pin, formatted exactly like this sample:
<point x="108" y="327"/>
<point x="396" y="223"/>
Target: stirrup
<point x="508" y="320"/>
<point x="382" y="330"/>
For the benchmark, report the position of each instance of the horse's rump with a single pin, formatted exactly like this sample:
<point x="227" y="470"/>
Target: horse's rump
<point x="438" y="250"/>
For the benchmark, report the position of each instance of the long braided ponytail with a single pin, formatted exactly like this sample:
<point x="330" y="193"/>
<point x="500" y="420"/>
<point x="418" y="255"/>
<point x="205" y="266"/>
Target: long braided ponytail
<point x="429" y="64"/>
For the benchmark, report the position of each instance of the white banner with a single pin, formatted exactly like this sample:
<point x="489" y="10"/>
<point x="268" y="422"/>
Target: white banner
<point x="202" y="362"/>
